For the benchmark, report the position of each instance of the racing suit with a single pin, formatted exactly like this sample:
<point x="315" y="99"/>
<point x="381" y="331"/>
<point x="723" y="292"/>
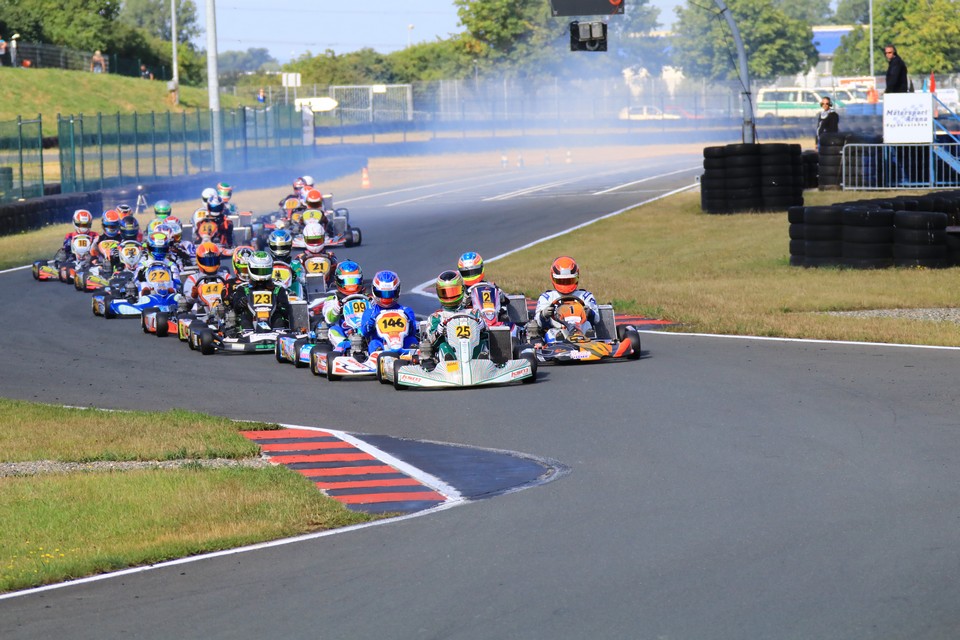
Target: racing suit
<point x="544" y="316"/>
<point x="241" y="304"/>
<point x="368" y="327"/>
<point x="191" y="298"/>
<point x="68" y="239"/>
<point x="435" y="333"/>
<point x="331" y="314"/>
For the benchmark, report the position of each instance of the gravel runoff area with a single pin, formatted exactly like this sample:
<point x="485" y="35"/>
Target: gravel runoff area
<point x="931" y="315"/>
<point x="50" y="466"/>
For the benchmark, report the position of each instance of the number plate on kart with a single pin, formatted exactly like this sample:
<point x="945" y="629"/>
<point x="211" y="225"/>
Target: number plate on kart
<point x="318" y="265"/>
<point x="391" y="323"/>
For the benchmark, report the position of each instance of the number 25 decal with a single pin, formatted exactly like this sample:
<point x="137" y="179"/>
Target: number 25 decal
<point x="463" y="331"/>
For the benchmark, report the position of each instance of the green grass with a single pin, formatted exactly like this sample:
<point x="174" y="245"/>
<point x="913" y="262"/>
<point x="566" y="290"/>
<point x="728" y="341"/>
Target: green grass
<point x="51" y="91"/>
<point x="63" y="526"/>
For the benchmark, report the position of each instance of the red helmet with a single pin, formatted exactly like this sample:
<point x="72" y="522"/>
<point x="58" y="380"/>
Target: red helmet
<point x="314" y="199"/>
<point x="565" y="275"/>
<point x="82" y="221"/>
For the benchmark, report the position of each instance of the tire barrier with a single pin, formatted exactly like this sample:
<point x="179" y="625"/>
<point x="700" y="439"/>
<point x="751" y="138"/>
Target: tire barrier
<point x="908" y="231"/>
<point x="752" y="177"/>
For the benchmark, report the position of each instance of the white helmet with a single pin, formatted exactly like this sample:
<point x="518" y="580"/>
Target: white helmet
<point x="208" y="193"/>
<point x="313" y="237"/>
<point x="307" y="180"/>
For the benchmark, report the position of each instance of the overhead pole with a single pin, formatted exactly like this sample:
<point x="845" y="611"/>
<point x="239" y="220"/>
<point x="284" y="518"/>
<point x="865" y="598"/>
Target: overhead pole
<point x="213" y="87"/>
<point x="173" y="40"/>
<point x="746" y="100"/>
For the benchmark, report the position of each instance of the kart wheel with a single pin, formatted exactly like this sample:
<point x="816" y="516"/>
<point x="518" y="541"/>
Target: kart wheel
<point x="314" y="361"/>
<point x="80" y="282"/>
<point x="330" y="375"/>
<point x="36" y="270"/>
<point x="532" y="359"/>
<point x="380" y="376"/>
<point x="357" y="236"/>
<point x="206" y="343"/>
<point x="297" y="345"/>
<point x="192" y="340"/>
<point x="108" y="312"/>
<point x="276" y="352"/>
<point x="162" y="327"/>
<point x="93" y="306"/>
<point x="520" y="348"/>
<point x="629" y="333"/>
<point x="396" y="375"/>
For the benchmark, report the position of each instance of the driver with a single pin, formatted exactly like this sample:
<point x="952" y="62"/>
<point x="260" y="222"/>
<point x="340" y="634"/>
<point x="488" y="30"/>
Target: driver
<point x="385" y="291"/>
<point x="82" y="226"/>
<point x="215" y="212"/>
<point x="208" y="261"/>
<point x="470" y="266"/>
<point x="348" y="279"/>
<point x="453" y="302"/>
<point x="565" y="276"/>
<point x="260" y="270"/>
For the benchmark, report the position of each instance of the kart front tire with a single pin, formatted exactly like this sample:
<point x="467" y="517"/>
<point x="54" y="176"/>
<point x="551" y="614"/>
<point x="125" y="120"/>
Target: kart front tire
<point x="206" y="343"/>
<point x="532" y="359"/>
<point x="314" y="362"/>
<point x="163" y="328"/>
<point x="396" y="375"/>
<point x="297" y="345"/>
<point x="631" y="334"/>
<point x="276" y="352"/>
<point x="330" y="375"/>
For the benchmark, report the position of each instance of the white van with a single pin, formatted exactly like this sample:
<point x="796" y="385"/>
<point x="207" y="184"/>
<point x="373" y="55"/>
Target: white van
<point x="792" y="102"/>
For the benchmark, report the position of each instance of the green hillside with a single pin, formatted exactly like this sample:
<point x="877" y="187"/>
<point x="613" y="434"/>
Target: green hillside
<point x="52" y="91"/>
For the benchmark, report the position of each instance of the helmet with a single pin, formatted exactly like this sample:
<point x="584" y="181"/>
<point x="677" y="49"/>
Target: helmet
<point x="298" y="185"/>
<point x="158" y="245"/>
<point x="225" y="191"/>
<point x="153" y="224"/>
<point x="280" y="243"/>
<point x="124" y="209"/>
<point x="470" y="266"/>
<point x="313" y="237"/>
<point x="161" y="209"/>
<point x="450" y="289"/>
<point x="241" y="256"/>
<point x="130" y="253"/>
<point x="82" y="220"/>
<point x="348" y="278"/>
<point x="385" y="288"/>
<point x="215" y="206"/>
<point x="208" y="193"/>
<point x="111" y="223"/>
<point x="163" y="228"/>
<point x="565" y="274"/>
<point x="129" y="228"/>
<point x="176" y="229"/>
<point x="208" y="257"/>
<point x="307" y="181"/>
<point x="314" y="199"/>
<point x="260" y="266"/>
<point x="204" y="231"/>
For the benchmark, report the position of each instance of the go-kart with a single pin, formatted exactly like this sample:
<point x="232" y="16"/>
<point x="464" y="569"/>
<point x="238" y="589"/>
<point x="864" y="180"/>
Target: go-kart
<point x="577" y="341"/>
<point x="357" y="360"/>
<point x="478" y="355"/>
<point x="261" y="337"/>
<point x="294" y="345"/>
<point x="95" y="276"/>
<point x="159" y="289"/>
<point x="210" y="300"/>
<point x="63" y="266"/>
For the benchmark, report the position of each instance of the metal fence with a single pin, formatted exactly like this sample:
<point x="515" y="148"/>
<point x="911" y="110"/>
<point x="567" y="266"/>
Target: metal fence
<point x="900" y="166"/>
<point x="47" y="56"/>
<point x="21" y="159"/>
<point x="103" y="151"/>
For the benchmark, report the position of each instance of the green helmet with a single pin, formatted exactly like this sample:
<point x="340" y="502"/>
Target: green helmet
<point x="161" y="209"/>
<point x="260" y="266"/>
<point x="450" y="289"/>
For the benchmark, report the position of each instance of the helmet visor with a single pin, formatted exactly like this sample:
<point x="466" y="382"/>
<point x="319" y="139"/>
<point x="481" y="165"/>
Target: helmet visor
<point x="260" y="273"/>
<point x="450" y="294"/>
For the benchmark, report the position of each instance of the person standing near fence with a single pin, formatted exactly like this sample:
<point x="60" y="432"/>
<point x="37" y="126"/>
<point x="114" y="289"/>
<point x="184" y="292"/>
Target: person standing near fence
<point x="145" y="73"/>
<point x="3" y="52"/>
<point x="897" y="81"/>
<point x="828" y="121"/>
<point x="13" y="49"/>
<point x="97" y="63"/>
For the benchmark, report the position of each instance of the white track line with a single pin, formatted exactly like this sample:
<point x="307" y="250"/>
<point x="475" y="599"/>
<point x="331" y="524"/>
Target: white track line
<point x="26" y="266"/>
<point x="802" y="340"/>
<point x="630" y="184"/>
<point x="420" y="289"/>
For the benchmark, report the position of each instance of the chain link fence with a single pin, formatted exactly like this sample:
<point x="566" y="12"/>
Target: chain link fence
<point x="37" y="55"/>
<point x="21" y="159"/>
<point x="104" y="151"/>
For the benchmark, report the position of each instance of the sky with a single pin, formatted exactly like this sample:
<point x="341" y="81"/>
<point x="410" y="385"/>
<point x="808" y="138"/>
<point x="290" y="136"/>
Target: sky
<point x="290" y="28"/>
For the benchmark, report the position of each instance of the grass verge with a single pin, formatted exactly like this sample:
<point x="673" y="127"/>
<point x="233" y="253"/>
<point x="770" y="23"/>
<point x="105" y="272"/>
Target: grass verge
<point x="64" y="526"/>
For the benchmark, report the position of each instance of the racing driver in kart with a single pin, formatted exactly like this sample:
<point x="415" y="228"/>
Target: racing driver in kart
<point x="82" y="226"/>
<point x="453" y="302"/>
<point x="348" y="279"/>
<point x="224" y="233"/>
<point x="565" y="276"/>
<point x="385" y="291"/>
<point x="260" y="272"/>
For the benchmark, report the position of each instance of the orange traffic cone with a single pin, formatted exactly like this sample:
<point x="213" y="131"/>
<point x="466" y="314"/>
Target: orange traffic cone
<point x="364" y="178"/>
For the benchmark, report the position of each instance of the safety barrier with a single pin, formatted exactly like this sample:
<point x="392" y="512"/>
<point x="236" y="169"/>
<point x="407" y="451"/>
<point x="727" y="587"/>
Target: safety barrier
<point x="867" y="167"/>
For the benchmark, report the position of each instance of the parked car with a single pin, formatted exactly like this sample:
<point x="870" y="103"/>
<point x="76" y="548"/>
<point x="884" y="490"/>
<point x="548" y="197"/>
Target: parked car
<point x="646" y="112"/>
<point x="792" y="102"/>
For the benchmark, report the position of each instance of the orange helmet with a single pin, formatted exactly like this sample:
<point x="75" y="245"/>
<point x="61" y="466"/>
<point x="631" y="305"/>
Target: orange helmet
<point x="208" y="257"/>
<point x="565" y="275"/>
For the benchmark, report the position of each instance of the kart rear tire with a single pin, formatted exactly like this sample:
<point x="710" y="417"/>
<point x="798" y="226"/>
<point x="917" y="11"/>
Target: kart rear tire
<point x="276" y="352"/>
<point x="162" y="327"/>
<point x="357" y="236"/>
<point x="93" y="306"/>
<point x="314" y="367"/>
<point x="297" y="345"/>
<point x="396" y="375"/>
<point x="80" y="282"/>
<point x="520" y="348"/>
<point x="532" y="359"/>
<point x="206" y="343"/>
<point x="380" y="377"/>
<point x="628" y="333"/>
<point x="36" y="270"/>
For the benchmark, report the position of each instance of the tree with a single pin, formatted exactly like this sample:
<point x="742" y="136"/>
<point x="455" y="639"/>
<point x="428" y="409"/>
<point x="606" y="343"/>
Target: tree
<point x="508" y="34"/>
<point x="775" y="43"/>
<point x="253" y="59"/>
<point x="153" y="16"/>
<point x="77" y="24"/>
<point x="813" y="12"/>
<point x="852" y="12"/>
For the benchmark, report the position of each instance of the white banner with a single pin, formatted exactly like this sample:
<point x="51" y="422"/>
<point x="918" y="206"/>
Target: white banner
<point x="907" y="118"/>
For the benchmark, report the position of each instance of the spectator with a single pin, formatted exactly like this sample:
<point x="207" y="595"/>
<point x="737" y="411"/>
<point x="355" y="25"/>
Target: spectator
<point x="828" y="121"/>
<point x="13" y="49"/>
<point x="897" y="81"/>
<point x="261" y="96"/>
<point x="145" y="73"/>
<point x="3" y="52"/>
<point x="97" y="63"/>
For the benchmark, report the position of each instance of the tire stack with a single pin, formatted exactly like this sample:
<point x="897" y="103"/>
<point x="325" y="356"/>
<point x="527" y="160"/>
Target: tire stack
<point x="867" y="237"/>
<point x="831" y="150"/>
<point x="920" y="239"/>
<point x="810" y="160"/>
<point x="798" y="236"/>
<point x="751" y="177"/>
<point x="713" y="185"/>
<point x="822" y="237"/>
<point x="781" y="176"/>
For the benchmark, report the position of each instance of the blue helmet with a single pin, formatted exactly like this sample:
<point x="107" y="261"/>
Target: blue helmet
<point x="215" y="206"/>
<point x="159" y="245"/>
<point x="280" y="243"/>
<point x="129" y="228"/>
<point x="348" y="278"/>
<point x="385" y="288"/>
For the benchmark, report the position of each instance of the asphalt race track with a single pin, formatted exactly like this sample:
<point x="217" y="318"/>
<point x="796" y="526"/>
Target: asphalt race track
<point x="718" y="488"/>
